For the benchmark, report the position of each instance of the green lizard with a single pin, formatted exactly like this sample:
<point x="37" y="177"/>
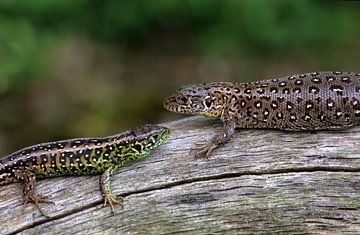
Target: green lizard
<point x="84" y="156"/>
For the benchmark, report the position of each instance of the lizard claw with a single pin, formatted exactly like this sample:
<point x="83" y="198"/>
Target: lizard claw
<point x="36" y="199"/>
<point x="112" y="199"/>
<point x="202" y="150"/>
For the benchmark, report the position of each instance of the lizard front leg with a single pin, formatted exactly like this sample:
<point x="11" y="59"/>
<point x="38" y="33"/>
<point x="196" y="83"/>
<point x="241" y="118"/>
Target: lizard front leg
<point x="105" y="187"/>
<point x="29" y="179"/>
<point x="204" y="149"/>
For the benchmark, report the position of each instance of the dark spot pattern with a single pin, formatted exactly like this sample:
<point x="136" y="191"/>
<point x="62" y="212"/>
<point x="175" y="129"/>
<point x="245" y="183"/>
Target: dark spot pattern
<point x="286" y="91"/>
<point x="266" y="112"/>
<point x="260" y="90"/>
<point x="314" y="90"/>
<point x="273" y="90"/>
<point x="280" y="115"/>
<point x="338" y="89"/>
<point x="280" y="99"/>
<point x="330" y="78"/>
<point x="315" y="74"/>
<point x="266" y="97"/>
<point x="299" y="82"/>
<point x="289" y="106"/>
<point x="330" y="103"/>
<point x="274" y="104"/>
<point x="307" y="117"/>
<point x="346" y="79"/>
<point x="299" y="99"/>
<point x="258" y="104"/>
<point x="309" y="105"/>
<point x="282" y="84"/>
<point x="316" y="80"/>
<point x="297" y="90"/>
<point x="293" y="117"/>
<point x="242" y="103"/>
<point x="248" y="91"/>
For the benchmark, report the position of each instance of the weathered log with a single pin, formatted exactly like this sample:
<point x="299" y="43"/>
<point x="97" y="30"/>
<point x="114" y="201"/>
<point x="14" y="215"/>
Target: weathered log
<point x="262" y="182"/>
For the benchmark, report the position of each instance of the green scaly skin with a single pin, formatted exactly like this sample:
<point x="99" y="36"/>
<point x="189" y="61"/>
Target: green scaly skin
<point x="84" y="156"/>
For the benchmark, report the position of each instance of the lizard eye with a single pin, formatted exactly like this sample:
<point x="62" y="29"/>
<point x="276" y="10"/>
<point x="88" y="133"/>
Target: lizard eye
<point x="156" y="137"/>
<point x="184" y="99"/>
<point x="208" y="102"/>
<point x="138" y="147"/>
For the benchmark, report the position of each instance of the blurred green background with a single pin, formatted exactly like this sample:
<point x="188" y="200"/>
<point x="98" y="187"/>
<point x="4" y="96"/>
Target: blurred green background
<point x="93" y="68"/>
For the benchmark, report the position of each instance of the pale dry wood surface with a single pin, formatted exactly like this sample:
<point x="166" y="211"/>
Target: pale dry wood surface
<point x="261" y="182"/>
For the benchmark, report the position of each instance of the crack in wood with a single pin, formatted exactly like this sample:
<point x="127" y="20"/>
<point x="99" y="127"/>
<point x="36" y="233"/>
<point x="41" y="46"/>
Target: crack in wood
<point x="329" y="197"/>
<point x="193" y="180"/>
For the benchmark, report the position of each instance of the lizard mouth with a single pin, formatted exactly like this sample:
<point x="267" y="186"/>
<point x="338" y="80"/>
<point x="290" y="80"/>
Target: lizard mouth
<point x="171" y="103"/>
<point x="178" y="104"/>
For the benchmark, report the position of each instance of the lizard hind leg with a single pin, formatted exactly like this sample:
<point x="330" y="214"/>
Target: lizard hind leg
<point x="29" y="191"/>
<point x="105" y="187"/>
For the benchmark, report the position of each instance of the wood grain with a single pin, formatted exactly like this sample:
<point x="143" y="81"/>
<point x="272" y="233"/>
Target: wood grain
<point x="262" y="181"/>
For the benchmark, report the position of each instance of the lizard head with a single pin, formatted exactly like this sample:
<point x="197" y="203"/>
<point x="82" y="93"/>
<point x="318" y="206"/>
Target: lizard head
<point x="197" y="99"/>
<point x="138" y="143"/>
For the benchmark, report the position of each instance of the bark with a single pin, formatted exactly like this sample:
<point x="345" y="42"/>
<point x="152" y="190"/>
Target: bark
<point x="261" y="182"/>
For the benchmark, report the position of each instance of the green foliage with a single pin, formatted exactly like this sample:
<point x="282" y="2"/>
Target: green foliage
<point x="46" y="45"/>
<point x="229" y="26"/>
<point x="16" y="53"/>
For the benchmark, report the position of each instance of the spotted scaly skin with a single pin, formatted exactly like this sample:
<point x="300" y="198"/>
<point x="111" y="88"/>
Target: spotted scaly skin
<point x="86" y="156"/>
<point x="310" y="101"/>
